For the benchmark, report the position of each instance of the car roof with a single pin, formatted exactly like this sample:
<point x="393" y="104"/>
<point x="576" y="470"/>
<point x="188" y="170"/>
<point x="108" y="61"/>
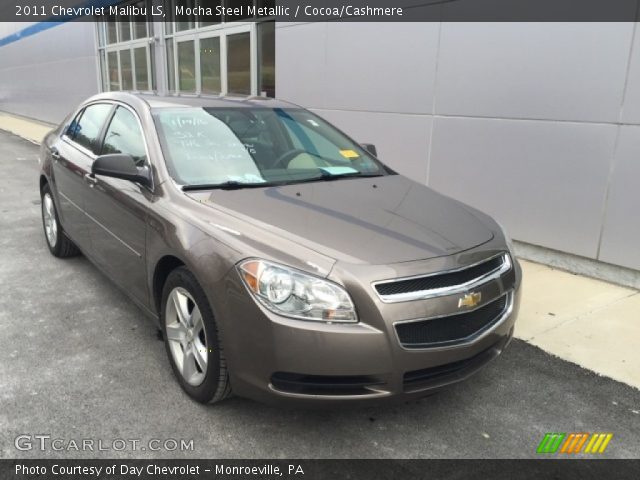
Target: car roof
<point x="155" y="101"/>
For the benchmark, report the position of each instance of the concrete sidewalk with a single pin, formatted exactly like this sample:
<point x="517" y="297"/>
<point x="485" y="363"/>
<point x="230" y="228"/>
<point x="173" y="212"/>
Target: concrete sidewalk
<point x="29" y="129"/>
<point x="592" y="323"/>
<point x="589" y="322"/>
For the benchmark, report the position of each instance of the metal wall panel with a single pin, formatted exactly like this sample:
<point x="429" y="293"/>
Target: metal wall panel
<point x="631" y="107"/>
<point x="380" y="67"/>
<point x="549" y="71"/>
<point x="546" y="181"/>
<point x="300" y="66"/>
<point x="45" y="75"/>
<point x="621" y="233"/>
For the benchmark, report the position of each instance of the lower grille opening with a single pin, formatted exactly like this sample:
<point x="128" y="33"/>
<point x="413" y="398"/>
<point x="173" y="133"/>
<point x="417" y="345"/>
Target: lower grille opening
<point x="450" y="372"/>
<point x="323" y="384"/>
<point x="451" y="329"/>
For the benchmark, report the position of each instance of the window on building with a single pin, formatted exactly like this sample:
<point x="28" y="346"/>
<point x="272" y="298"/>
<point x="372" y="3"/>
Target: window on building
<point x="208" y="56"/>
<point x="185" y="22"/>
<point x="112" y="31"/>
<point x="124" y="29"/>
<point x="186" y="66"/>
<point x="171" y="68"/>
<point x="214" y="20"/>
<point x="114" y="70"/>
<point x="210" y="67"/>
<point x="267" y="58"/>
<point x="140" y="27"/>
<point x="239" y="63"/>
<point x="211" y="55"/>
<point x="104" y="75"/>
<point x="126" y="69"/>
<point x="127" y="53"/>
<point x="141" y="62"/>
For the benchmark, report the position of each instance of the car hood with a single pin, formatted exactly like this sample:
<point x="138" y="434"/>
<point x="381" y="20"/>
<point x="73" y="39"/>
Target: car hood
<point x="381" y="220"/>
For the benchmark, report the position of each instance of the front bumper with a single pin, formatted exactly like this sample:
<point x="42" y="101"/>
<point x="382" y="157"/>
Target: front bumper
<point x="274" y="359"/>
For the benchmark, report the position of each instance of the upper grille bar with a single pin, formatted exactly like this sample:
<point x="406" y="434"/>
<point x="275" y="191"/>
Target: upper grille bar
<point x="443" y="283"/>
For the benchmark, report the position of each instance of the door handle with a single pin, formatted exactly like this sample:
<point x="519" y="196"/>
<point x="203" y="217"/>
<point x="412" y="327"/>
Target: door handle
<point x="91" y="179"/>
<point x="55" y="154"/>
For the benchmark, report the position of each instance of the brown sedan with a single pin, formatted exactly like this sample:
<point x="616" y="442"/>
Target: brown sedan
<point x="282" y="260"/>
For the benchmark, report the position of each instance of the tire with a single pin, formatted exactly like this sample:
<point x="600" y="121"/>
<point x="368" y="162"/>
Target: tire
<point x="59" y="244"/>
<point x="191" y="339"/>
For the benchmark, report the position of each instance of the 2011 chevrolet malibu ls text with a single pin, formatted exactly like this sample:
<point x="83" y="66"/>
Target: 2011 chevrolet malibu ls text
<point x="282" y="260"/>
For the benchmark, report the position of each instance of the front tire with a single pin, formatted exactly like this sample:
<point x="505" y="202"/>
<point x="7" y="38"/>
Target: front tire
<point x="191" y="339"/>
<point x="59" y="244"/>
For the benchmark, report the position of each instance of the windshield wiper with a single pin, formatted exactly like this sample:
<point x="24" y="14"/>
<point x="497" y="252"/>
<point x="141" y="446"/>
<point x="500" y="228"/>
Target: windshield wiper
<point x="228" y="185"/>
<point x="235" y="185"/>
<point x="327" y="177"/>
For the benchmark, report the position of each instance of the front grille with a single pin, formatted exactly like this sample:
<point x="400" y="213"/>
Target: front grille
<point x="323" y="384"/>
<point x="442" y="280"/>
<point x="451" y="329"/>
<point x="450" y="372"/>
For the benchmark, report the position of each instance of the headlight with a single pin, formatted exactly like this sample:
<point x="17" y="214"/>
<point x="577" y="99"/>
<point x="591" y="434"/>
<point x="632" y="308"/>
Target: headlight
<point x="295" y="294"/>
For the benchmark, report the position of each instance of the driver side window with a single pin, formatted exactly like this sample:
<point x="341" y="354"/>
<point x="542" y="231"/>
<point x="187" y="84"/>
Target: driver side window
<point x="124" y="136"/>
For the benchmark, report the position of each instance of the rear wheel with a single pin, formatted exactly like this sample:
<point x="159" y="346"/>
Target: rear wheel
<point x="58" y="243"/>
<point x="191" y="339"/>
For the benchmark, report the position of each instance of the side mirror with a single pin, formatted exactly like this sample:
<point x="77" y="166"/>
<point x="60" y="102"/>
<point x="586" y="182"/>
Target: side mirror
<point x="119" y="165"/>
<point x="371" y="148"/>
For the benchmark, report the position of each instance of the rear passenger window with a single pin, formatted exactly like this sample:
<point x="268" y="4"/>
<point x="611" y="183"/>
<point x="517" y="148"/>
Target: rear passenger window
<point x="72" y="129"/>
<point x="124" y="136"/>
<point x="86" y="129"/>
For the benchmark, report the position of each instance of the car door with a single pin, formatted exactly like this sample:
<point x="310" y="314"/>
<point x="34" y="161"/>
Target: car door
<point x="72" y="155"/>
<point x="117" y="209"/>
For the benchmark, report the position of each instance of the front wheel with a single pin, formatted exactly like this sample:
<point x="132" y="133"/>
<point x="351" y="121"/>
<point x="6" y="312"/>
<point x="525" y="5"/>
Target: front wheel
<point x="58" y="243"/>
<point x="191" y="339"/>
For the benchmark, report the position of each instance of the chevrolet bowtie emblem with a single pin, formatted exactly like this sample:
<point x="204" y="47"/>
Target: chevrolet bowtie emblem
<point x="470" y="300"/>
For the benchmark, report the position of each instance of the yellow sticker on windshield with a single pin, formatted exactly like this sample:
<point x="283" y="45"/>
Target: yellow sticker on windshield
<point x="349" y="154"/>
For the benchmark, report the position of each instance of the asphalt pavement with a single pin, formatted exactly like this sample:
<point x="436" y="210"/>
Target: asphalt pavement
<point x="79" y="362"/>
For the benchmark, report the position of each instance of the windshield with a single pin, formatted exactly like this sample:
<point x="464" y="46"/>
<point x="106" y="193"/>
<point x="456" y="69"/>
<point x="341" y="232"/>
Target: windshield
<point x="247" y="146"/>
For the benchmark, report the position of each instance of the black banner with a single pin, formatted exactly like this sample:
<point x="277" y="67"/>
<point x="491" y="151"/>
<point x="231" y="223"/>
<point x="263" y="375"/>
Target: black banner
<point x="319" y="469"/>
<point x="323" y="10"/>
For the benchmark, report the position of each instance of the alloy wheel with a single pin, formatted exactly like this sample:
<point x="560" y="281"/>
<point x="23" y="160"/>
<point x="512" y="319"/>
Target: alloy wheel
<point x="186" y="336"/>
<point x="50" y="222"/>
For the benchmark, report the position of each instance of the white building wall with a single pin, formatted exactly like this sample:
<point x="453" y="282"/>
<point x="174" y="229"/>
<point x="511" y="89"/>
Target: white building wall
<point x="527" y="122"/>
<point x="45" y="74"/>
